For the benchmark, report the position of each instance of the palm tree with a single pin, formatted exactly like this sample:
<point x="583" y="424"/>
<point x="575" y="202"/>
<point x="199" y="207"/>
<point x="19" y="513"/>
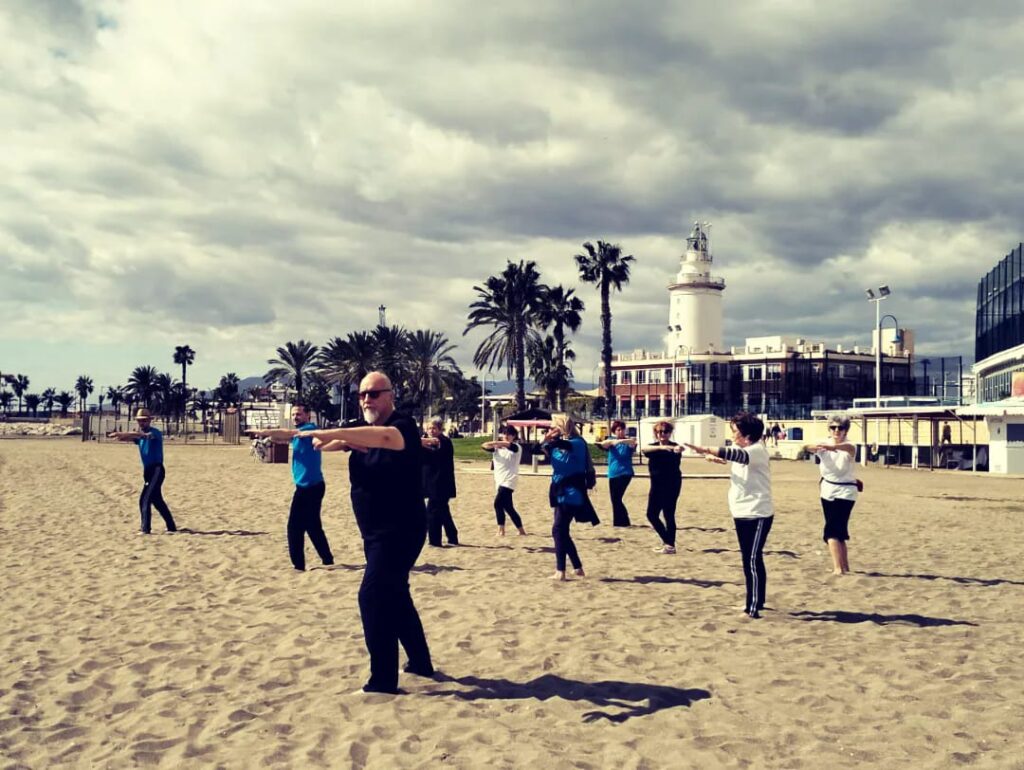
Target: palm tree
<point x="561" y="310"/>
<point x="391" y="345"/>
<point x="431" y="366"/>
<point x="64" y="400"/>
<point x="49" y="396"/>
<point x="547" y="371"/>
<point x="32" y="402"/>
<point x="83" y="387"/>
<point x="164" y="387"/>
<point x="19" y="384"/>
<point x="508" y="302"/>
<point x="185" y="356"/>
<point x="227" y="391"/>
<point x="605" y="267"/>
<point x="347" y="361"/>
<point x="115" y="395"/>
<point x="142" y="384"/>
<point x="294" y="361"/>
<point x="202" y="403"/>
<point x="5" y="401"/>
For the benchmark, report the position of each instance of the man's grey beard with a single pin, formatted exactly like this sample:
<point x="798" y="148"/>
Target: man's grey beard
<point x="371" y="415"/>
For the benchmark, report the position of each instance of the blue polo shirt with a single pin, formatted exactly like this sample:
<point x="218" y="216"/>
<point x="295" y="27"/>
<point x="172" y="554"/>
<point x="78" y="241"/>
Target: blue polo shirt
<point x="305" y="460"/>
<point x="151" y="448"/>
<point x="620" y="460"/>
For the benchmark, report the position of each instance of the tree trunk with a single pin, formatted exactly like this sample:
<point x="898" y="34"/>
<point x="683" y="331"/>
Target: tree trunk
<point x="520" y="353"/>
<point x="606" y="351"/>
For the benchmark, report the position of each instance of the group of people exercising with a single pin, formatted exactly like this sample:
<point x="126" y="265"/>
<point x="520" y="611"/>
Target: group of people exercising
<point x="402" y="483"/>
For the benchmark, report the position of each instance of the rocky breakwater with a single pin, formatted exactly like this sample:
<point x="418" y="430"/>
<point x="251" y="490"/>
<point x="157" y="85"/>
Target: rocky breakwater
<point x="40" y="429"/>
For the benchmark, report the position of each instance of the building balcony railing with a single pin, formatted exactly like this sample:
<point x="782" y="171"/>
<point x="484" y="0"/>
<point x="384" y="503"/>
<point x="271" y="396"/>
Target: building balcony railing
<point x="709" y="281"/>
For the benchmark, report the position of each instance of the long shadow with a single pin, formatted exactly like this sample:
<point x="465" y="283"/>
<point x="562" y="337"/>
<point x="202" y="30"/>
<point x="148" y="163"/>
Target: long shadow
<point x="636" y="699"/>
<point x="646" y="579"/>
<point x="488" y="547"/>
<point x="840" y="616"/>
<point x="608" y="539"/>
<point x="539" y="549"/>
<point x="962" y="580"/>
<point x="235" y="532"/>
<point x="433" y="569"/>
<point x="787" y="554"/>
<point x="350" y="567"/>
<point x="704" y="529"/>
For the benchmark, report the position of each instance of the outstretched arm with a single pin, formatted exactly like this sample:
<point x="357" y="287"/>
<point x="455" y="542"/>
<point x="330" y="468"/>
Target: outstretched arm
<point x="368" y="436"/>
<point x="336" y="446"/>
<point x="277" y="435"/>
<point x="678" y="449"/>
<point x="127" y="435"/>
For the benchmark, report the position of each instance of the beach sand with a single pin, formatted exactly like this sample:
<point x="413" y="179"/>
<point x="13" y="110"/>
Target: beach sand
<point x="206" y="649"/>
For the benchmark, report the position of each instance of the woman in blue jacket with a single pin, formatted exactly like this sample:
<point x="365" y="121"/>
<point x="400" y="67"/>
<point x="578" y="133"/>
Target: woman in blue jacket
<point x="568" y="453"/>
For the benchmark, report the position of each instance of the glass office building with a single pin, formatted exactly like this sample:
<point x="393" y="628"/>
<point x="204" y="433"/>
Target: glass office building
<point x="999" y="326"/>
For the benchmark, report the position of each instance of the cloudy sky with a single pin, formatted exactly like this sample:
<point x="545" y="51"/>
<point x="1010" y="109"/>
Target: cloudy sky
<point x="233" y="175"/>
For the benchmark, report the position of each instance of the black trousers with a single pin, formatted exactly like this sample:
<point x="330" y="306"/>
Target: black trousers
<point x="662" y="500"/>
<point x="502" y="505"/>
<point x="617" y="489"/>
<point x="388" y="614"/>
<point x="439" y="516"/>
<point x="752" y="535"/>
<point x="564" y="546"/>
<point x="153" y="480"/>
<point x="303" y="519"/>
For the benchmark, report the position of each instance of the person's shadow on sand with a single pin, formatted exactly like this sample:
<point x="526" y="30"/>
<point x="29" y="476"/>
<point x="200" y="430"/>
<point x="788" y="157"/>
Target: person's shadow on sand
<point x="647" y="579"/>
<point x="433" y="569"/>
<point x="956" y="579"/>
<point x="840" y="616"/>
<point x="235" y="532"/>
<point x="636" y="700"/>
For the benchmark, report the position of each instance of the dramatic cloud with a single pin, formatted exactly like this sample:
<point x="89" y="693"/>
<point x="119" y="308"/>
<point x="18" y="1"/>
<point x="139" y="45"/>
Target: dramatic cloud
<point x="232" y="175"/>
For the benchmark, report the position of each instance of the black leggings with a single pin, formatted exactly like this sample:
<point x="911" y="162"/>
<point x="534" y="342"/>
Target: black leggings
<point x="752" y="534"/>
<point x="617" y="489"/>
<point x="303" y="519"/>
<point x="662" y="499"/>
<point x="564" y="546"/>
<point x="153" y="478"/>
<point x="503" y="505"/>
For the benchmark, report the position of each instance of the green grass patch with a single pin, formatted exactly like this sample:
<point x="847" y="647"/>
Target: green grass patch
<point x="469" y="449"/>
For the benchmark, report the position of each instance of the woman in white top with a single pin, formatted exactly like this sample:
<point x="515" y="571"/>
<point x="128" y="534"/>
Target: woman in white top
<point x="750" y="500"/>
<point x="838" y="489"/>
<point x="507" y="455"/>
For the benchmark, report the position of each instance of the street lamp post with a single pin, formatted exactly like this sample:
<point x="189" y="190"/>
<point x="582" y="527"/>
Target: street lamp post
<point x="882" y="293"/>
<point x="675" y="375"/>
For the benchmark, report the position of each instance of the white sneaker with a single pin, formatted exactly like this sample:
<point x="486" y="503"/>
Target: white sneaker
<point x="665" y="549"/>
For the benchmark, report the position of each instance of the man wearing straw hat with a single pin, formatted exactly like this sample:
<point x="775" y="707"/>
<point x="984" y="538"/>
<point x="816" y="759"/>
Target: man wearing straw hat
<point x="151" y="449"/>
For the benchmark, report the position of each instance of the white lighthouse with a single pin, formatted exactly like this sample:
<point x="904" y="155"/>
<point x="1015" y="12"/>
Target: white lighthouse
<point x="695" y="306"/>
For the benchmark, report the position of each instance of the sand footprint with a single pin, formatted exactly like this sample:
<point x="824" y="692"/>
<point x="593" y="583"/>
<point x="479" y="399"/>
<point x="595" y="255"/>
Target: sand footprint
<point x="359" y="754"/>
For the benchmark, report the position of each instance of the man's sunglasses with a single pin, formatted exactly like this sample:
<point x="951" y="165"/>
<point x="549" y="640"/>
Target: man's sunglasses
<point x="373" y="394"/>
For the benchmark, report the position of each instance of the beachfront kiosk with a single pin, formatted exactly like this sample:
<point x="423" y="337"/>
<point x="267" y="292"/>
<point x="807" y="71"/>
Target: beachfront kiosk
<point x="1005" y="422"/>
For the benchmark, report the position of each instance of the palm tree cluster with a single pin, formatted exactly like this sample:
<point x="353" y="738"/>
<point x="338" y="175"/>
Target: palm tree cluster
<point x="419" y="363"/>
<point x="518" y="307"/>
<point x="514" y="304"/>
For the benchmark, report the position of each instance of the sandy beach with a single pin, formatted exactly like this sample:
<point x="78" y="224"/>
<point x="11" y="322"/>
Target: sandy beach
<point x="206" y="649"/>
